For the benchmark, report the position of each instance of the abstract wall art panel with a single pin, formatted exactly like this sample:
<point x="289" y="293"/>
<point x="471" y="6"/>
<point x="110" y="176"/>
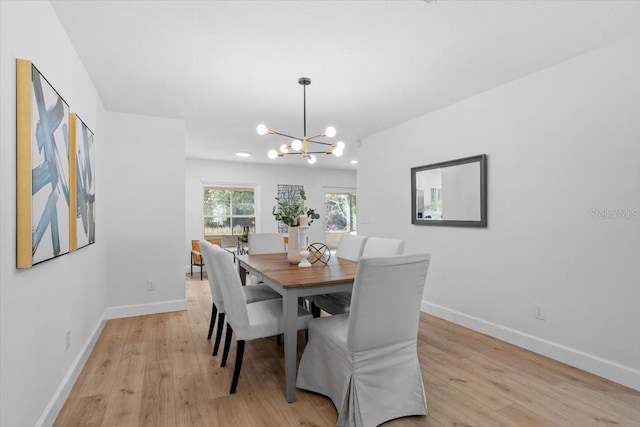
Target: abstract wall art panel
<point x="287" y="192"/>
<point x="82" y="190"/>
<point x="42" y="168"/>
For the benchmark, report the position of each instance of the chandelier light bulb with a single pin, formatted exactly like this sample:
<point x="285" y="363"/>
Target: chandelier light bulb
<point x="262" y="129"/>
<point x="330" y="132"/>
<point x="284" y="148"/>
<point x="296" y="144"/>
<point x="311" y="159"/>
<point x="272" y="154"/>
<point x="340" y="145"/>
<point x="338" y="152"/>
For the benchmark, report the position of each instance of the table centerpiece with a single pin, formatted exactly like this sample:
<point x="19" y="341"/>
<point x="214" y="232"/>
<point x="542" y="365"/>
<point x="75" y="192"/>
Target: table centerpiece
<point x="290" y="211"/>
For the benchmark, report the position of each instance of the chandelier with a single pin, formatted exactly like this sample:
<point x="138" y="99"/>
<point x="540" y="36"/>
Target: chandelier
<point x="301" y="145"/>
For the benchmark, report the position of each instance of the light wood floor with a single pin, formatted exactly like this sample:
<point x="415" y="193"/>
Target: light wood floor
<point x="158" y="371"/>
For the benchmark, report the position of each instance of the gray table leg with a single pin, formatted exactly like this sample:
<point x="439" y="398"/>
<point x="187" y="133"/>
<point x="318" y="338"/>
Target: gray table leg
<point x="290" y="308"/>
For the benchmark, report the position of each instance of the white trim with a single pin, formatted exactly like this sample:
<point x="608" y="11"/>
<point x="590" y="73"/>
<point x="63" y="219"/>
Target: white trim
<point x="608" y="369"/>
<point x="52" y="410"/>
<point x="332" y="189"/>
<point x="144" y="309"/>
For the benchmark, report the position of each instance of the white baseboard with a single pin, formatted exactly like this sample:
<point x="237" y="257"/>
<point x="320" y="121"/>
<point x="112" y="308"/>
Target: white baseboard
<point x="144" y="309"/>
<point x="613" y="371"/>
<point x="52" y="410"/>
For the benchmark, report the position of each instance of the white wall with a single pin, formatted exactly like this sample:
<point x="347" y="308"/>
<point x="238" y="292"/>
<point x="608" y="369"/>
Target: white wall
<point x="562" y="147"/>
<point x="38" y="305"/>
<point x="139" y="228"/>
<point x="267" y="177"/>
<point x="144" y="203"/>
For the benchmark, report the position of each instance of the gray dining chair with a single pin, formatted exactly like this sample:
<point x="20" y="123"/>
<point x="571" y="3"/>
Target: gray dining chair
<point x="265" y="243"/>
<point x="382" y="246"/>
<point x="252" y="293"/>
<point x="350" y="246"/>
<point x="339" y="302"/>
<point x="259" y="319"/>
<point x="366" y="361"/>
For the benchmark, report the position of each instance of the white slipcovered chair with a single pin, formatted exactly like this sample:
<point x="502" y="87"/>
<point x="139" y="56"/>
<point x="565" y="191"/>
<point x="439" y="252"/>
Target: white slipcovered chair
<point x="265" y="243"/>
<point x="259" y="319"/>
<point x="350" y="247"/>
<point x="252" y="292"/>
<point x="339" y="302"/>
<point x="366" y="361"/>
<point x="381" y="246"/>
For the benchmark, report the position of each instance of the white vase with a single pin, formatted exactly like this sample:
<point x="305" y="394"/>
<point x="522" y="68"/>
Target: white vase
<point x="293" y="251"/>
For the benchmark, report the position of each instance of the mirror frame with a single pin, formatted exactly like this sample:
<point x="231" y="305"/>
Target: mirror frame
<point x="482" y="222"/>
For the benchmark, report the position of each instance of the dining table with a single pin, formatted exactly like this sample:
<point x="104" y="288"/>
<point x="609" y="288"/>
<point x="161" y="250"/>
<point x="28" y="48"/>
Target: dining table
<point x="293" y="283"/>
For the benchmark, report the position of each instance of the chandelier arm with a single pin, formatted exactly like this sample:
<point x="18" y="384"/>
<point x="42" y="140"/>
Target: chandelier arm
<point x="285" y="135"/>
<point x="316" y="136"/>
<point x="308" y="152"/>
<point x="320" y="142"/>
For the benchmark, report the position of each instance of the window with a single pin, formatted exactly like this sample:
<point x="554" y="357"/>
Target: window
<point x="435" y="201"/>
<point x="227" y="210"/>
<point x="340" y="212"/>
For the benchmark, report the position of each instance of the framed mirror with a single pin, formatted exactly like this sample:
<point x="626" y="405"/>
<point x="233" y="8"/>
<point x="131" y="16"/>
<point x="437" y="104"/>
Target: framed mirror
<point x="450" y="193"/>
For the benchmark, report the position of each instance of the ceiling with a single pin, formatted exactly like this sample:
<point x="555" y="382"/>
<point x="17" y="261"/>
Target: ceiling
<point x="226" y="66"/>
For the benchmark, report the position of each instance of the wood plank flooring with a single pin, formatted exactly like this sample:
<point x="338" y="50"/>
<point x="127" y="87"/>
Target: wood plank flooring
<point x="158" y="371"/>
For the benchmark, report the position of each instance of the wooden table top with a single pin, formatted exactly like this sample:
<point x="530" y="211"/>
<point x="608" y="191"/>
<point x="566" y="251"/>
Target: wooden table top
<point x="277" y="268"/>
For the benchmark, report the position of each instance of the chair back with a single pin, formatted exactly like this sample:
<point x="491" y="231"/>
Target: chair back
<point x="215" y="242"/>
<point x="197" y="259"/>
<point x="382" y="247"/>
<point x="207" y="249"/>
<point x="386" y="300"/>
<point x="195" y="246"/>
<point x="265" y="243"/>
<point x="350" y="247"/>
<point x="235" y="302"/>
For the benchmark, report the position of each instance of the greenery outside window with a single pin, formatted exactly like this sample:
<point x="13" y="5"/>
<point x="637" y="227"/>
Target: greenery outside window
<point x="227" y="210"/>
<point x="340" y="212"/>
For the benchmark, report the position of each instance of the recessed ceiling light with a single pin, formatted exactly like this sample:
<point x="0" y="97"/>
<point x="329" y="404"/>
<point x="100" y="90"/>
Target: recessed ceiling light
<point x="243" y="154"/>
<point x="354" y="162"/>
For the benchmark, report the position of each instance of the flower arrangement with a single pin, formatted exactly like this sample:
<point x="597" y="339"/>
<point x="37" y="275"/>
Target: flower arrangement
<point x="289" y="211"/>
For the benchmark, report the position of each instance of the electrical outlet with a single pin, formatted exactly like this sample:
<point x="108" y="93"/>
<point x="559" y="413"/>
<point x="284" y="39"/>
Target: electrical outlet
<point x="150" y="285"/>
<point x="67" y="339"/>
<point x="540" y="312"/>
